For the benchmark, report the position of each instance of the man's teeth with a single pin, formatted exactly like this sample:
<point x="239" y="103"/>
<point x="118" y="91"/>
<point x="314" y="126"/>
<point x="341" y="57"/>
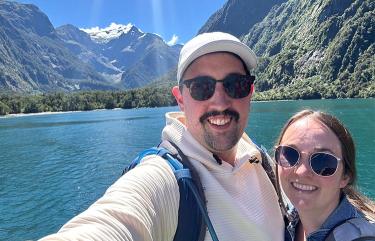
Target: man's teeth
<point x="219" y="121"/>
<point x="303" y="187"/>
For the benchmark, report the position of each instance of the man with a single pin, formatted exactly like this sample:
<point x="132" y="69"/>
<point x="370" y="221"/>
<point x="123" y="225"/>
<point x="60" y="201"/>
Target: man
<point x="214" y="92"/>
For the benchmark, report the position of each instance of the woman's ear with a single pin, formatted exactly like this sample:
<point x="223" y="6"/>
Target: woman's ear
<point x="178" y="96"/>
<point x="345" y="180"/>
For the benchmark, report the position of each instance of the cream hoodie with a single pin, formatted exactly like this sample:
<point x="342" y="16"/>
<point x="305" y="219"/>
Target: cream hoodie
<point x="143" y="204"/>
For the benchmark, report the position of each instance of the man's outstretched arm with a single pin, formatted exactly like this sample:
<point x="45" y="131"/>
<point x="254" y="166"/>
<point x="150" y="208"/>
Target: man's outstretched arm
<point x="141" y="205"/>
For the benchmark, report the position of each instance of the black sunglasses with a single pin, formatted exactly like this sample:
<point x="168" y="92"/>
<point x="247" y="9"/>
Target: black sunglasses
<point x="203" y="87"/>
<point x="322" y="163"/>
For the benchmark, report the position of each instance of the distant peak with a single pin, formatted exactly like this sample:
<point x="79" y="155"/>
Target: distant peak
<point x="113" y="31"/>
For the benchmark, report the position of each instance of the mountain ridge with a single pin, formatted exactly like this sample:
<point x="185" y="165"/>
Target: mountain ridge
<point x="33" y="57"/>
<point x="36" y="57"/>
<point x="238" y="16"/>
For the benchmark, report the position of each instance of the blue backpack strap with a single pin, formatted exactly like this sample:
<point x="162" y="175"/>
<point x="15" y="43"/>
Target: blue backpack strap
<point x="192" y="209"/>
<point x="138" y="159"/>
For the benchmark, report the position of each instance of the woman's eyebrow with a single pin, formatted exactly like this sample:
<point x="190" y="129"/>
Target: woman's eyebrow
<point x="323" y="149"/>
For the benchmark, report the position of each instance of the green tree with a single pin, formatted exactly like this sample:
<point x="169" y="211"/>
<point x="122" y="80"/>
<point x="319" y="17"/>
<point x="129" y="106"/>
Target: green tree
<point x="4" y="109"/>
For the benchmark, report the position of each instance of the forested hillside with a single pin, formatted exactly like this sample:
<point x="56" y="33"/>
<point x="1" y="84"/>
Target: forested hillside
<point x="314" y="49"/>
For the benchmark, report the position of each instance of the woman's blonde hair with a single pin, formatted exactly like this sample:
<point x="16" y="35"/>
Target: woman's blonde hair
<point x="360" y="201"/>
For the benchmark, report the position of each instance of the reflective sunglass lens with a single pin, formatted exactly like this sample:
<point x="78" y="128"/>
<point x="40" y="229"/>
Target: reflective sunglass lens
<point x="324" y="164"/>
<point x="286" y="156"/>
<point x="202" y="88"/>
<point x="237" y="86"/>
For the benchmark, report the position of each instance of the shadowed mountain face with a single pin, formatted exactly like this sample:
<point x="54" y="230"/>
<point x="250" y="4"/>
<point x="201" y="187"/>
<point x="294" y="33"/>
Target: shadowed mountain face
<point x="308" y="48"/>
<point x="35" y="57"/>
<point x="237" y="17"/>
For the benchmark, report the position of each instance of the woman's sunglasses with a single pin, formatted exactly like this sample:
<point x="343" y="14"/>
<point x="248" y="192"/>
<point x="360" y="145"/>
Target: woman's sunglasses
<point x="203" y="87"/>
<point x="322" y="163"/>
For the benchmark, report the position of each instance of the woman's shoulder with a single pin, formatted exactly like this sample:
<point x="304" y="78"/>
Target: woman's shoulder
<point x="346" y="223"/>
<point x="357" y="228"/>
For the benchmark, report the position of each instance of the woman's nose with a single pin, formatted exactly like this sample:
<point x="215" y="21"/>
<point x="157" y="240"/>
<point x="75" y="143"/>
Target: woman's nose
<point x="303" y="168"/>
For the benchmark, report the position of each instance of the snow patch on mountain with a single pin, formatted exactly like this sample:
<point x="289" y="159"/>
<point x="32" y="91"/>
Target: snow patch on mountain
<point x="113" y="31"/>
<point x="173" y="40"/>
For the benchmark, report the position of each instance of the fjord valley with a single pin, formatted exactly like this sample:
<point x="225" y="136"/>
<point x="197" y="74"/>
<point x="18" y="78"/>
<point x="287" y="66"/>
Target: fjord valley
<point x="316" y="54"/>
<point x="306" y="50"/>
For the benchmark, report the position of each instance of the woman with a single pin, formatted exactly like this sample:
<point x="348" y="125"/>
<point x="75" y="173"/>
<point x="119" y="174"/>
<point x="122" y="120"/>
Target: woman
<point x="315" y="154"/>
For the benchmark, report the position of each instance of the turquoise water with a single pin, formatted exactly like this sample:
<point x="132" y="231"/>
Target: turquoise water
<point x="54" y="166"/>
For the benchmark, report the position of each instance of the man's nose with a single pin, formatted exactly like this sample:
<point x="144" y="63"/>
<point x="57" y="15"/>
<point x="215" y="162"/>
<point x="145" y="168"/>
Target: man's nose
<point x="220" y="99"/>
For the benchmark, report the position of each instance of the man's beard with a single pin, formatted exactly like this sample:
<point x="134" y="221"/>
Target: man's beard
<point x="225" y="141"/>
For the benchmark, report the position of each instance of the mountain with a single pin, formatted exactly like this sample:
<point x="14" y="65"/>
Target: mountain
<point x="317" y="49"/>
<point x="33" y="58"/>
<point x="88" y="51"/>
<point x="36" y="57"/>
<point x="142" y="57"/>
<point x="123" y="54"/>
<point x="157" y="60"/>
<point x="311" y="49"/>
<point x="238" y="16"/>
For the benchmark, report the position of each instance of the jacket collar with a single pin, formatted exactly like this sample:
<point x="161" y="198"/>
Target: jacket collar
<point x="344" y="211"/>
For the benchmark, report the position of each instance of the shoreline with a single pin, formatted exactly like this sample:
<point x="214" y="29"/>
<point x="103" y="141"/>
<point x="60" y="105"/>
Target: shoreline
<point x="36" y="114"/>
<point x="49" y="113"/>
<point x="63" y="112"/>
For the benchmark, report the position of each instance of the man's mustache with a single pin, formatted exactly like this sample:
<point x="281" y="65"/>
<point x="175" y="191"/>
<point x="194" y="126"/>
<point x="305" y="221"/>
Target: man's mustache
<point x="226" y="112"/>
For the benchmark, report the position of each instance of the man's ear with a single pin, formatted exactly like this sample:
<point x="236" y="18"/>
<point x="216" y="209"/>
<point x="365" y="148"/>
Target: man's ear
<point x="252" y="89"/>
<point x="178" y="96"/>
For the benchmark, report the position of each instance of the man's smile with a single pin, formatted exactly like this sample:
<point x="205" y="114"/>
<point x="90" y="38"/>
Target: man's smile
<point x="220" y="117"/>
<point x="219" y="120"/>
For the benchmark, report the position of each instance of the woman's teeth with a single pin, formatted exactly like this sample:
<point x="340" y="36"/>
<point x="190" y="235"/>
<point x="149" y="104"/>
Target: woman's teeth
<point x="303" y="187"/>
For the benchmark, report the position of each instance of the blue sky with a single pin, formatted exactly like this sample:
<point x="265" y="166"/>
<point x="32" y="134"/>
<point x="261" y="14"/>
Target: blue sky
<point x="168" y="18"/>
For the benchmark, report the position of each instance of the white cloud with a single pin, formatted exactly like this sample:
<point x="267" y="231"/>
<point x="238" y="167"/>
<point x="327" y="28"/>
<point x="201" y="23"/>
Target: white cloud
<point x="173" y="40"/>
